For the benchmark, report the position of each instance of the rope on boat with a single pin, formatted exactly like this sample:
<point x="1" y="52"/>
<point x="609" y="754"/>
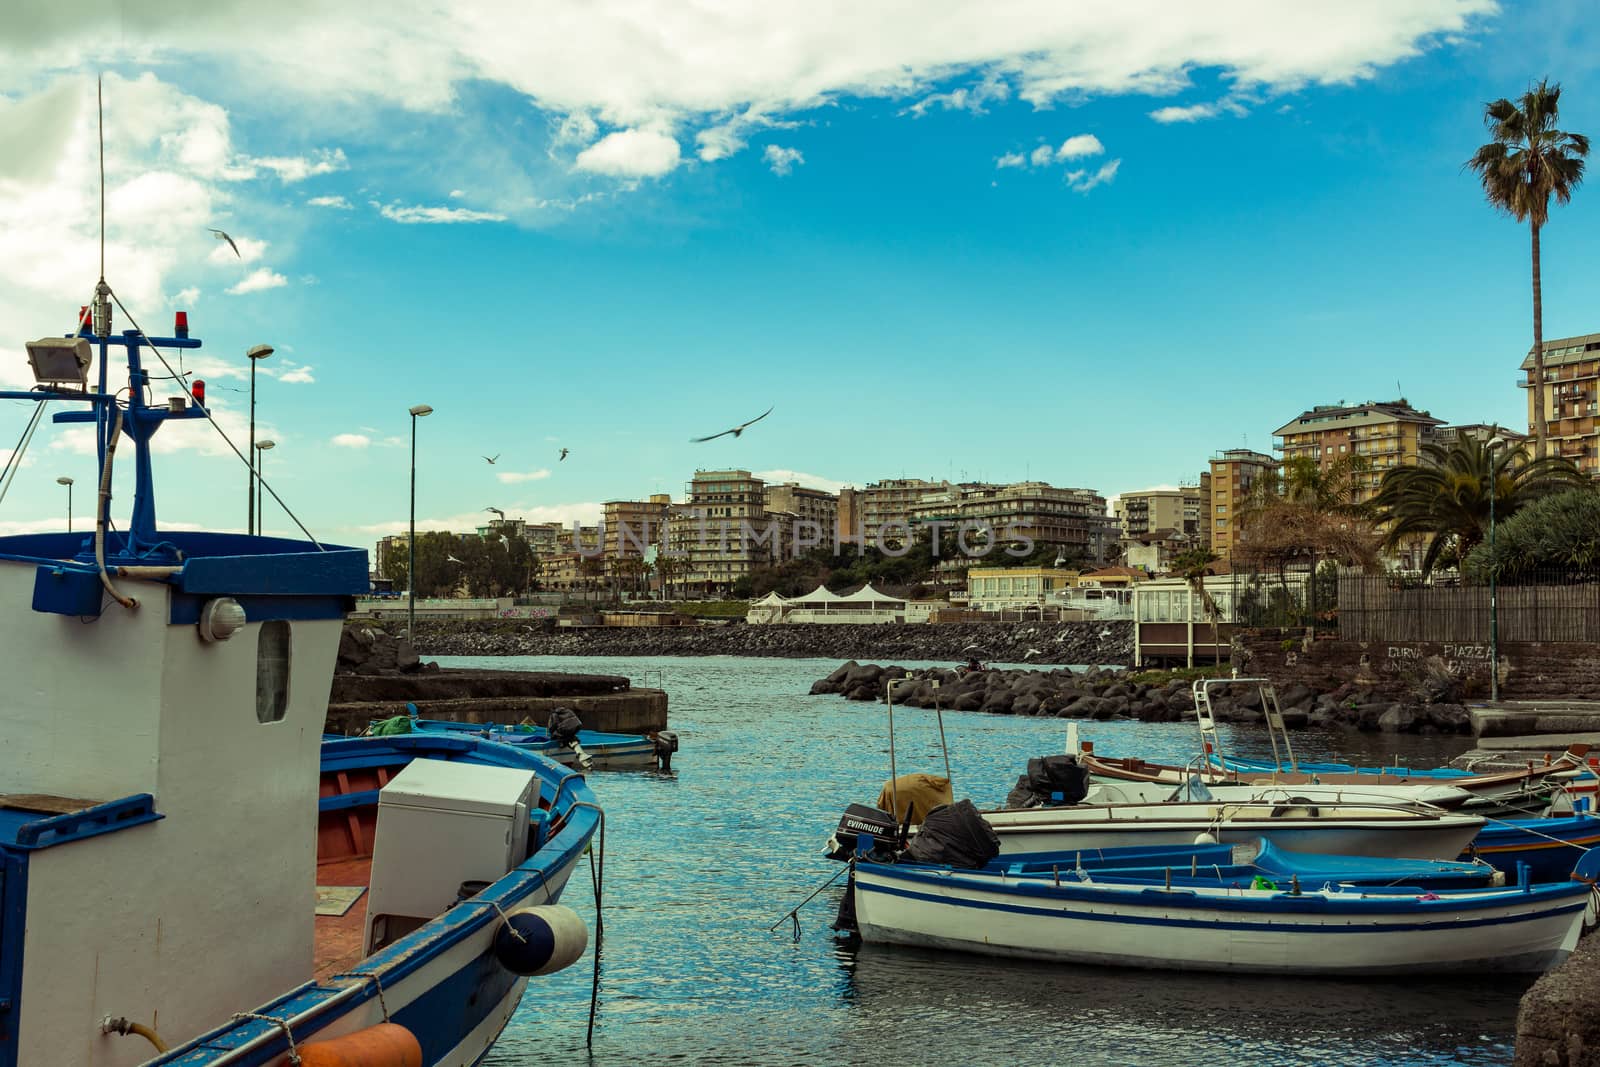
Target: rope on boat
<point x="183" y="381"/>
<point x="14" y="461"/>
<point x="793" y="915"/>
<point x="377" y="981"/>
<point x="282" y="1024"/>
<point x="1536" y="833"/>
<point x="597" y="878"/>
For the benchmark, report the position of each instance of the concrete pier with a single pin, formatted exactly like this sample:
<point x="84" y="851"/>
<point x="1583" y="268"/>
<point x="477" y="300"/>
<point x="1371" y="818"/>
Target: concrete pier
<point x="604" y="702"/>
<point x="1515" y="718"/>
<point x="1557" y="1025"/>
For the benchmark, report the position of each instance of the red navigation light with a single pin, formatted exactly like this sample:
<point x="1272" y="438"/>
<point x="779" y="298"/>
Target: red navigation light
<point x="180" y="324"/>
<point x="198" y="391"/>
<point x="85" y="319"/>
<point x="1208" y="748"/>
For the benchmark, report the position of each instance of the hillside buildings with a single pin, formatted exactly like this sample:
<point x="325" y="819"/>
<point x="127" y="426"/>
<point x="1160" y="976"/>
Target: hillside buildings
<point x="1233" y="475"/>
<point x="1385" y="435"/>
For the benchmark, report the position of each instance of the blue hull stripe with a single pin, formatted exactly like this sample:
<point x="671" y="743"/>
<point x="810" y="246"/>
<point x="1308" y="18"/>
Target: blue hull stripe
<point x="1217" y="924"/>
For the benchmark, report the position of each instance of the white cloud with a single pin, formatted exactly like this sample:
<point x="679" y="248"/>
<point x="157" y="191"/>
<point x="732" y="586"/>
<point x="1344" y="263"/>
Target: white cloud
<point x="351" y="440"/>
<point x="290" y="169"/>
<point x="1082" y="181"/>
<point x="587" y="513"/>
<point x="1191" y="113"/>
<point x="330" y="201"/>
<point x="991" y="89"/>
<point x="422" y="214"/>
<point x="811" y="481"/>
<point x="186" y="298"/>
<point x="782" y="160"/>
<point x="295" y="374"/>
<point x="513" y="477"/>
<point x="257" y="280"/>
<point x="1011" y="159"/>
<point x="1079" y="145"/>
<point x="1042" y="156"/>
<point x="631" y="154"/>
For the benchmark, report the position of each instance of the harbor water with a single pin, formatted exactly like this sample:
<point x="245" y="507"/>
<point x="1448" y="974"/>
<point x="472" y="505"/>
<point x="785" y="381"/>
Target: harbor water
<point x="701" y="863"/>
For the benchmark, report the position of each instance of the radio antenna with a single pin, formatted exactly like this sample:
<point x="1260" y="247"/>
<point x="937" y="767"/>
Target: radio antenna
<point x="100" y="119"/>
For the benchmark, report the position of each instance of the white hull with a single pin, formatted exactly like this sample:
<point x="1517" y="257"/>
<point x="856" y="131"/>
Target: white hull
<point x="1147" y="927"/>
<point x="1397" y="833"/>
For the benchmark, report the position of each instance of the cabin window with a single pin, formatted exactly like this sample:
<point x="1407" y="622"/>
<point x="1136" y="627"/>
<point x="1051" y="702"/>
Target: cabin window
<point x="272" y="671"/>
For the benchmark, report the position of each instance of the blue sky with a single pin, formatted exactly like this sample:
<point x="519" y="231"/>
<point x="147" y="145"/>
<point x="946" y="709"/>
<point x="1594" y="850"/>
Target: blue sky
<point x="611" y="229"/>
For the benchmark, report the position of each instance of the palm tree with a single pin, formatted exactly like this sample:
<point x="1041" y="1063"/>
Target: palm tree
<point x="1312" y="513"/>
<point x="1445" y="496"/>
<point x="1529" y="161"/>
<point x="1192" y="565"/>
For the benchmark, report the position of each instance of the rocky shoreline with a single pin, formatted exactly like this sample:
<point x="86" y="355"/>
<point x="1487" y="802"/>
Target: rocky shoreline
<point x="1113" y="694"/>
<point x="1045" y="643"/>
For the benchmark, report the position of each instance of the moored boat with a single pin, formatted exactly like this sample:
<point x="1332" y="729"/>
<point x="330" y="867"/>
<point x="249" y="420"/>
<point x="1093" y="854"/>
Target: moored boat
<point x="158" y="860"/>
<point x="593" y="749"/>
<point x="1128" y="922"/>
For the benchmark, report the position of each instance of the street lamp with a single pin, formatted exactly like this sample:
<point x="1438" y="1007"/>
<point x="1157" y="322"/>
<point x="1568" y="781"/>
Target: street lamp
<point x="64" y="480"/>
<point x="411" y="545"/>
<point x="261" y="499"/>
<point x="1494" y="621"/>
<point x="256" y="354"/>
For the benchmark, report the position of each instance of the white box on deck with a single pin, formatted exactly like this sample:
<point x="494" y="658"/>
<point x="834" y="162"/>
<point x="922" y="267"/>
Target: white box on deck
<point x="440" y="824"/>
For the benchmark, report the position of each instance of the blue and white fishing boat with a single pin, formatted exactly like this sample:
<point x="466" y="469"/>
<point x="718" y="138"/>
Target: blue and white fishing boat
<point x="159" y="840"/>
<point x="1171" y="922"/>
<point x="1550" y="848"/>
<point x="595" y="750"/>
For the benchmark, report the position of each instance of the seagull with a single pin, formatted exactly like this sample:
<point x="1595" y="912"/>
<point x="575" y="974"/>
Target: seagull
<point x="224" y="237"/>
<point x="497" y="511"/>
<point x="1032" y="652"/>
<point x="736" y="431"/>
<point x="504" y="540"/>
<point x="490" y="460"/>
<point x="450" y="559"/>
<point x="564" y="452"/>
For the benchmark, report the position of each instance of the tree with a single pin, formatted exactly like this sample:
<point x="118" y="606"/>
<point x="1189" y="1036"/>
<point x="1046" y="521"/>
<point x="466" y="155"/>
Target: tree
<point x="1445" y="496"/>
<point x="1558" y="532"/>
<point x="1192" y="565"/>
<point x="1311" y="513"/>
<point x="1528" y="161"/>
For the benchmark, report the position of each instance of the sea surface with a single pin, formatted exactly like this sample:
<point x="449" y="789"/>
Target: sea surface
<point x="700" y="963"/>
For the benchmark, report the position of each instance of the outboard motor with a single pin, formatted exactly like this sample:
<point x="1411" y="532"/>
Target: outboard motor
<point x="862" y="825"/>
<point x="1050" y="781"/>
<point x="666" y="744"/>
<point x="564" y="725"/>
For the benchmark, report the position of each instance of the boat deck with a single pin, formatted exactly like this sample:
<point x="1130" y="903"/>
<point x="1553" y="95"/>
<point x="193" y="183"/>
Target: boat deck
<point x="338" y="938"/>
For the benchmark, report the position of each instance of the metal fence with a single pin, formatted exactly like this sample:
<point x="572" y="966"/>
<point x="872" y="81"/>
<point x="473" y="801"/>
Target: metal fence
<point x="1554" y="607"/>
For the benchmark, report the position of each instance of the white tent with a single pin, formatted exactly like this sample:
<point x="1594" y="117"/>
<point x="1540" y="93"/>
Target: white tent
<point x="868" y="595"/>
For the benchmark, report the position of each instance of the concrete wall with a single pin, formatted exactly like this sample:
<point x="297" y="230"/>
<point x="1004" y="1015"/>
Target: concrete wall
<point x="1528" y="670"/>
<point x="636" y="711"/>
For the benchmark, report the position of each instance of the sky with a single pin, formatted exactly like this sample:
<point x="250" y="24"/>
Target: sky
<point x="1085" y="244"/>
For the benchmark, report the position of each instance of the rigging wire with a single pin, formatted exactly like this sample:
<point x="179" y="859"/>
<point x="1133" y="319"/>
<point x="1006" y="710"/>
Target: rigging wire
<point x="207" y="413"/>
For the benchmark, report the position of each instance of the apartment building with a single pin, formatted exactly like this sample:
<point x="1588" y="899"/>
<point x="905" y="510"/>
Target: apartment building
<point x="1386" y="435"/>
<point x="1571" y="404"/>
<point x="1150" y="511"/>
<point x="1072" y="519"/>
<point x="633" y="530"/>
<point x="722" y="530"/>
<point x="816" y="507"/>
<point x="1233" y="474"/>
<point x="890" y="502"/>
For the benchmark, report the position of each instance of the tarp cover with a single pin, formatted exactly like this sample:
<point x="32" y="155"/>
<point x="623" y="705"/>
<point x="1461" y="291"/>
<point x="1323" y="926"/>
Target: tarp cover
<point x="1047" y="776"/>
<point x="564" y="725"/>
<point x="399" y="724"/>
<point x="954" y="835"/>
<point x="916" y="793"/>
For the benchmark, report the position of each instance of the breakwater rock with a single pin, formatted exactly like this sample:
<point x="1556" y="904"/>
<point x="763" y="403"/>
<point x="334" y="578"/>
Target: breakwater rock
<point x="1045" y="643"/>
<point x="1113" y="694"/>
<point x="368" y="650"/>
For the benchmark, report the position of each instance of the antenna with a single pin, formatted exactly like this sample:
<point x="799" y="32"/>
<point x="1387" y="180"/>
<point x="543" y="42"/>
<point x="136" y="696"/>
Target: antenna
<point x="100" y="121"/>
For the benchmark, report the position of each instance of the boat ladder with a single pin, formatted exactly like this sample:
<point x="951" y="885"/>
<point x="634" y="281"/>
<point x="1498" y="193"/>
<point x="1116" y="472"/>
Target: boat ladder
<point x="1211" y="740"/>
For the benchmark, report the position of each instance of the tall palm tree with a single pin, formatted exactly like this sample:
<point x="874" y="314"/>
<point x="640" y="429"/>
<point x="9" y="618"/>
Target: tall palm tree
<point x="1527" y="163"/>
<point x="1445" y="496"/>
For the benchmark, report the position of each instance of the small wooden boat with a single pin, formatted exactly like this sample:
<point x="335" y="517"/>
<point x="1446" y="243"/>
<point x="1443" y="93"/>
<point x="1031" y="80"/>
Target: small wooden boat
<point x="1210" y="925"/>
<point x="595" y="749"/>
<point x="1401" y="831"/>
<point x="1550" y="848"/>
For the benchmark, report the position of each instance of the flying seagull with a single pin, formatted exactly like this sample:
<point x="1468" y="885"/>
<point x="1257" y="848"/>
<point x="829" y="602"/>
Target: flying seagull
<point x="497" y="511"/>
<point x="1032" y="652"/>
<point x="504" y="540"/>
<point x="564" y="452"/>
<point x="224" y="237"/>
<point x="450" y="559"/>
<point x="491" y="460"/>
<point x="736" y="431"/>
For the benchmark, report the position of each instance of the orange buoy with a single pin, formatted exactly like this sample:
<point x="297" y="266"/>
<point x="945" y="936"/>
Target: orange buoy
<point x="384" y="1045"/>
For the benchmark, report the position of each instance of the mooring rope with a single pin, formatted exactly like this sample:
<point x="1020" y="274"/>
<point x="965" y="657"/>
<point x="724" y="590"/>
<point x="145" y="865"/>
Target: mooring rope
<point x="282" y="1024"/>
<point x="793" y="915"/>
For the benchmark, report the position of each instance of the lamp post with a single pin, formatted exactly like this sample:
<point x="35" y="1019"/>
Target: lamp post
<point x="411" y="543"/>
<point x="64" y="480"/>
<point x="1494" y="620"/>
<point x="255" y="355"/>
<point x="261" y="498"/>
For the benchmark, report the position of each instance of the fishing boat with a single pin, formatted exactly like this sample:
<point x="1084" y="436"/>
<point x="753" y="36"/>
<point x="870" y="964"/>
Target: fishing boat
<point x="1169" y="922"/>
<point x="159" y="843"/>
<point x="1393" y="830"/>
<point x="593" y="749"/>
<point x="1520" y="791"/>
<point x="1550" y="848"/>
